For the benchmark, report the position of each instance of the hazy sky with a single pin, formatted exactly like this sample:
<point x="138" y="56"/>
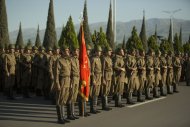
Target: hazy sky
<point x="34" y="12"/>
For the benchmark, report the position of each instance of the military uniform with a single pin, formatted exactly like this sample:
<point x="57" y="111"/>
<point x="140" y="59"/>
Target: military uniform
<point x="48" y="74"/>
<point x="133" y="81"/>
<point x="169" y="80"/>
<point x="187" y="75"/>
<point x="157" y="74"/>
<point x="2" y="71"/>
<point x="177" y="71"/>
<point x="149" y="74"/>
<point x="75" y="77"/>
<point x="10" y="64"/>
<point x="34" y="75"/>
<point x="141" y="64"/>
<point x="17" y="76"/>
<point x="96" y="75"/>
<point x="40" y="63"/>
<point x="119" y="72"/>
<point x="163" y="66"/>
<point x="51" y="64"/>
<point x="107" y="79"/>
<point x="62" y="85"/>
<point x="26" y="66"/>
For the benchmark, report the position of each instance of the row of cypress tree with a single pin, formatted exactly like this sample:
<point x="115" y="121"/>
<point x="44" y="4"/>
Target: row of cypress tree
<point x="69" y="36"/>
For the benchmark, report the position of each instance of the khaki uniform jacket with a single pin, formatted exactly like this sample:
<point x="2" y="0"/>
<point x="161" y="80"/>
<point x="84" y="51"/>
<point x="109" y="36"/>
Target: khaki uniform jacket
<point x="63" y="71"/>
<point x="10" y="64"/>
<point x="107" y="68"/>
<point x="96" y="70"/>
<point x="118" y="66"/>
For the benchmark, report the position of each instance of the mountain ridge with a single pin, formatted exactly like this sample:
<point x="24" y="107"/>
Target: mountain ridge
<point x="123" y="28"/>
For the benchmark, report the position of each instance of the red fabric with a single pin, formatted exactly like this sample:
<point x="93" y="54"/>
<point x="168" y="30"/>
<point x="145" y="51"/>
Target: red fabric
<point x="84" y="68"/>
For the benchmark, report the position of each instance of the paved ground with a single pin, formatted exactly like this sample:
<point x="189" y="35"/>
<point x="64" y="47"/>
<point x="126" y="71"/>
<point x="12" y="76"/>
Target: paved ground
<point x="172" y="111"/>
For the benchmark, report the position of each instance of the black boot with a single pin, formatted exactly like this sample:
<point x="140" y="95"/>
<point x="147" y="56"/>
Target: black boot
<point x="155" y="92"/>
<point x="73" y="111"/>
<point x="80" y="106"/>
<point x="105" y="103"/>
<point x="63" y="114"/>
<point x="93" y="105"/>
<point x="130" y="98"/>
<point x="120" y="105"/>
<point x="139" y="96"/>
<point x="116" y="98"/>
<point x="85" y="111"/>
<point x="69" y="112"/>
<point x="59" y="116"/>
<point x="163" y="90"/>
<point x="169" y="89"/>
<point x="147" y="94"/>
<point x="175" y="87"/>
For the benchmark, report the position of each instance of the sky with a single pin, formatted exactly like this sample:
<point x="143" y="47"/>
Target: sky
<point x="33" y="12"/>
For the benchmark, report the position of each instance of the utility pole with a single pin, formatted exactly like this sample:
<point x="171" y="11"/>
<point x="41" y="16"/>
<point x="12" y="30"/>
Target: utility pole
<point x="171" y="13"/>
<point x="114" y="19"/>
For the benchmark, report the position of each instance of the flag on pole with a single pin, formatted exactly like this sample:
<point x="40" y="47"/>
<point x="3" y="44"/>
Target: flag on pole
<point x="84" y="67"/>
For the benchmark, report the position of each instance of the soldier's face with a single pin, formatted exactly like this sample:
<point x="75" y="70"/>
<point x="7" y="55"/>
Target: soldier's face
<point x="109" y="53"/>
<point x="88" y="51"/>
<point x="2" y="50"/>
<point x="28" y="51"/>
<point x="99" y="53"/>
<point x="50" y="52"/>
<point x="17" y="50"/>
<point x="133" y="53"/>
<point x="35" y="51"/>
<point x="22" y="50"/>
<point x="122" y="52"/>
<point x="142" y="53"/>
<point x="57" y="51"/>
<point x="77" y="52"/>
<point x="67" y="52"/>
<point x="12" y="50"/>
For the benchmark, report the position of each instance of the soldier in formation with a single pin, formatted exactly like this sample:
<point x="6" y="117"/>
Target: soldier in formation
<point x="55" y="74"/>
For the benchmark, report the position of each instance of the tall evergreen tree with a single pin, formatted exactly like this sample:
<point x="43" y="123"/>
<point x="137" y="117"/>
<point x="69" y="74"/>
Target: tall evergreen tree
<point x="186" y="46"/>
<point x="68" y="36"/>
<point x="143" y="33"/>
<point x="99" y="38"/>
<point x="165" y="45"/>
<point x="123" y="45"/>
<point x="29" y="43"/>
<point x="87" y="34"/>
<point x="94" y="37"/>
<point x="180" y="36"/>
<point x="152" y="43"/>
<point x="109" y="31"/>
<point x="177" y="44"/>
<point x="62" y="40"/>
<point x="38" y="41"/>
<point x="50" y="38"/>
<point x="4" y="33"/>
<point x="170" y="36"/>
<point x="155" y="33"/>
<point x="19" y="40"/>
<point x="134" y="41"/>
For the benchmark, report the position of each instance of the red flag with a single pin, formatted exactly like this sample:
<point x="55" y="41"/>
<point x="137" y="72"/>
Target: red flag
<point x="84" y="67"/>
